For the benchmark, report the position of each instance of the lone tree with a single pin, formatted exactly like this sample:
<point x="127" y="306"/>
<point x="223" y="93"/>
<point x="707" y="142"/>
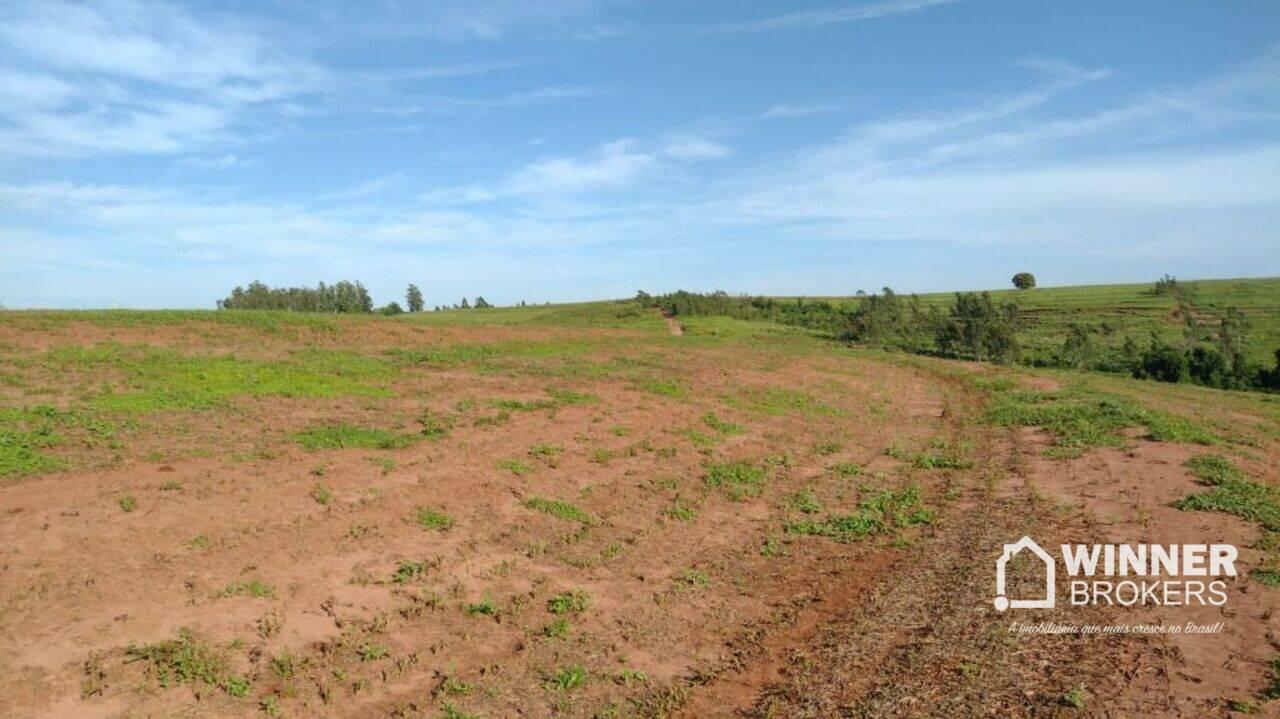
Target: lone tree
<point x="413" y="298"/>
<point x="1024" y="280"/>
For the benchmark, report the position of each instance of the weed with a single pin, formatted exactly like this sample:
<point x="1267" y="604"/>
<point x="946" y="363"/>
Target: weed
<point x="408" y="570"/>
<point x="286" y="664"/>
<point x="429" y="518"/>
<point x="172" y="485"/>
<point x="372" y="651"/>
<point x="662" y="387"/>
<point x="514" y="466"/>
<point x="826" y="449"/>
<point x="200" y="541"/>
<point x="321" y="494"/>
<point x="1231" y="493"/>
<point x="728" y="428"/>
<point x="877" y="514"/>
<point x="342" y="436"/>
<point x="454" y="686"/>
<point x="568" y="678"/>
<point x="847" y="469"/>
<point x="486" y="607"/>
<point x="558" y="629"/>
<point x="681" y="510"/>
<point x="128" y="503"/>
<point x="255" y="588"/>
<point x="692" y="579"/>
<point x="188" y="660"/>
<point x="805" y="501"/>
<point x="1074" y="698"/>
<point x="772" y="547"/>
<point x="558" y="508"/>
<point x="737" y="479"/>
<point x="449" y="711"/>
<point x="545" y="452"/>
<point x="384" y="464"/>
<point x="572" y="602"/>
<point x="435" y="426"/>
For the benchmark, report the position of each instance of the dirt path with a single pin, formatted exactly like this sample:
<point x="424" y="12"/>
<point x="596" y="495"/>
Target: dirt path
<point x="673" y="325"/>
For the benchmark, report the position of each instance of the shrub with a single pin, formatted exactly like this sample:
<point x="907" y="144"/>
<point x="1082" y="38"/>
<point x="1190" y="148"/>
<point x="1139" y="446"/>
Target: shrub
<point x="1024" y="280"/>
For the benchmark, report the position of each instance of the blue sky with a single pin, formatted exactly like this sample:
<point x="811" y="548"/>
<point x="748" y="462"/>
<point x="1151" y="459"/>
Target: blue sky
<point x="156" y="154"/>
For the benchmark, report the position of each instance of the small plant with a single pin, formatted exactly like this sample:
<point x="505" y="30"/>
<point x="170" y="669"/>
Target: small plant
<point x="172" y="485"/>
<point x="342" y="436"/>
<point x="572" y="602"/>
<point x="321" y="494"/>
<point x="432" y="519"/>
<point x="847" y="469"/>
<point x="128" y="503"/>
<point x="189" y="660"/>
<point x="545" y="452"/>
<point x="372" y="651"/>
<point x="286" y="664"/>
<point x="385" y="464"/>
<point x="558" y="629"/>
<point x="514" y="466"/>
<point x="1074" y="698"/>
<point x="449" y="711"/>
<point x="711" y="420"/>
<point x="560" y="509"/>
<point x="200" y="541"/>
<point x="827" y="448"/>
<point x="486" y="607"/>
<point x="693" y="579"/>
<point x="681" y="511"/>
<point x="568" y="678"/>
<point x="454" y="686"/>
<point x="435" y="426"/>
<point x="772" y="547"/>
<point x="255" y="588"/>
<point x="805" y="501"/>
<point x="408" y="570"/>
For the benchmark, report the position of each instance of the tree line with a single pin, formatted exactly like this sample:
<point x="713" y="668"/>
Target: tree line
<point x="338" y="298"/>
<point x="1211" y="351"/>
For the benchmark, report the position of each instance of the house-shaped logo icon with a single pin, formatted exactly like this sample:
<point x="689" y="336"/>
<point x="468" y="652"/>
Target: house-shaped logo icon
<point x="1003" y="602"/>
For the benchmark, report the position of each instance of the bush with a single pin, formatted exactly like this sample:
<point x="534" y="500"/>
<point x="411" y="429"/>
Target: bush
<point x="1163" y="363"/>
<point x="1024" y="280"/>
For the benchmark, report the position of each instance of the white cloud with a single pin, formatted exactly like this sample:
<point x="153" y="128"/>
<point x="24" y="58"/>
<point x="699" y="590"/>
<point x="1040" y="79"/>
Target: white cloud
<point x="832" y="16"/>
<point x="784" y="110"/>
<point x="694" y="148"/>
<point x="615" y="163"/>
<point x="120" y="76"/>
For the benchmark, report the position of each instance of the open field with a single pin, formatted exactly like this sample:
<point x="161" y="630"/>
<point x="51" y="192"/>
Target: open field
<point x="571" y="511"/>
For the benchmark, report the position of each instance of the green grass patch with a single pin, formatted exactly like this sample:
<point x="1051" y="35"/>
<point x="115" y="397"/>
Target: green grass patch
<point x="255" y="588"/>
<point x="726" y="428"/>
<point x="880" y="513"/>
<point x="737" y="479"/>
<point x="158" y="379"/>
<point x="188" y="660"/>
<point x="1081" y="419"/>
<point x="345" y="436"/>
<point x="559" y="509"/>
<point x="776" y="401"/>
<point x="571" y="602"/>
<point x="432" y="519"/>
<point x="514" y="466"/>
<point x="1241" y="497"/>
<point x="568" y="678"/>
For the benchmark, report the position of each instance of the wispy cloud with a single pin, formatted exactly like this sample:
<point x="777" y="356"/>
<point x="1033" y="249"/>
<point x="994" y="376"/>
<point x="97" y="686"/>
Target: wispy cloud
<point x="692" y="147"/>
<point x="784" y="110"/>
<point x="832" y="16"/>
<point x="134" y="77"/>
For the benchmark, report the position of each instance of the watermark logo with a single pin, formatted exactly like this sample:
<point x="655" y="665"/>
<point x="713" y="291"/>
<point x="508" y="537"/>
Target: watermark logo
<point x="1010" y="551"/>
<point x="1125" y="574"/>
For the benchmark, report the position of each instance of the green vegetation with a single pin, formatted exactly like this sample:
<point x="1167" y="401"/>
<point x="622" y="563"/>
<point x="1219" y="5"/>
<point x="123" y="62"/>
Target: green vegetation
<point x="560" y="509"/>
<point x="737" y="479"/>
<point x="568" y="678"/>
<point x="432" y="519"/>
<point x="408" y="570"/>
<point x="1231" y="492"/>
<point x="340" y="297"/>
<point x="514" y="466"/>
<point x="726" y="428"/>
<point x="571" y="602"/>
<point x="880" y="513"/>
<point x="321" y="494"/>
<point x="255" y="588"/>
<point x="345" y="436"/>
<point x="777" y="401"/>
<point x="486" y="607"/>
<point x="1081" y="418"/>
<point x="158" y="379"/>
<point x="128" y="503"/>
<point x="189" y="660"/>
